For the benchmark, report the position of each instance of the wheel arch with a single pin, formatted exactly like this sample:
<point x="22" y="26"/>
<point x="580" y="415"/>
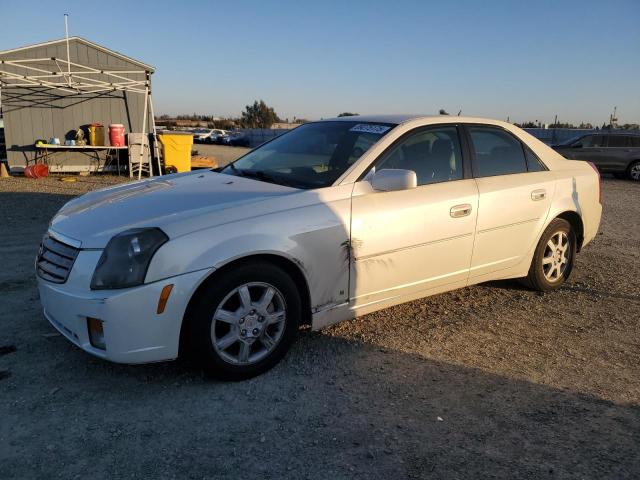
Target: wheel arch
<point x="285" y="263"/>
<point x="575" y="220"/>
<point x="627" y="171"/>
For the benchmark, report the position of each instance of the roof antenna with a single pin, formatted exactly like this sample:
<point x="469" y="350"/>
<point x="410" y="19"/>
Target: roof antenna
<point x="66" y="34"/>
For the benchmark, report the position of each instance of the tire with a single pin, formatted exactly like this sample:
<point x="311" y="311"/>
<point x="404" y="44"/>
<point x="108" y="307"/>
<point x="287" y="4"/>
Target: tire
<point x="550" y="269"/>
<point x="633" y="172"/>
<point x="250" y="337"/>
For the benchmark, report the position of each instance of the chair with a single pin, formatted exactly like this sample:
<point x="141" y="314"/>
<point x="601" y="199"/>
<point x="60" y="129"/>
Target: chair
<point x="139" y="164"/>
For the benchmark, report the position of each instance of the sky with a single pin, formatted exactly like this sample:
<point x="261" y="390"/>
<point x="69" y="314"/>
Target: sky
<point x="526" y="60"/>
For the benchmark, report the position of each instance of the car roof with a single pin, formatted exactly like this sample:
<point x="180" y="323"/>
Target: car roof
<point x="418" y="118"/>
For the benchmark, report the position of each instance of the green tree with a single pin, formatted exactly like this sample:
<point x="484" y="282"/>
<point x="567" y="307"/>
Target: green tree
<point x="348" y="114"/>
<point x="258" y="115"/>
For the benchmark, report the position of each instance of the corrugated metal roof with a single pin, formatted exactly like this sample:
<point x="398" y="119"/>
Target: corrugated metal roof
<point x="86" y="42"/>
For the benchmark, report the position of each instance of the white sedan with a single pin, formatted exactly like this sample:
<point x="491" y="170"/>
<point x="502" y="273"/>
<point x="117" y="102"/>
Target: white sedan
<point x="332" y="220"/>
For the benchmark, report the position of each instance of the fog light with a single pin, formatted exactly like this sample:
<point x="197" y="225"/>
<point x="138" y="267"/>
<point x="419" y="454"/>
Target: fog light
<point x="96" y="333"/>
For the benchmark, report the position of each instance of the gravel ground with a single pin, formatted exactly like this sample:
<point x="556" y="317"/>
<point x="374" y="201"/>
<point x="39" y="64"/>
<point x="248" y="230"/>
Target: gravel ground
<point x="491" y="381"/>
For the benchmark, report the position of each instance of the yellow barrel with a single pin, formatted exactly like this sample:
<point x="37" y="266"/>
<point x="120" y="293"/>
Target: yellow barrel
<point x="176" y="150"/>
<point x="96" y="135"/>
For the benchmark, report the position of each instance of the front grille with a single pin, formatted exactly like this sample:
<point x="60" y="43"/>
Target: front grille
<point x="55" y="260"/>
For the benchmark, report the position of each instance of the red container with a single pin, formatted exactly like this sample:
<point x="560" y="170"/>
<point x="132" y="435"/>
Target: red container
<point x="40" y="170"/>
<point x="116" y="135"/>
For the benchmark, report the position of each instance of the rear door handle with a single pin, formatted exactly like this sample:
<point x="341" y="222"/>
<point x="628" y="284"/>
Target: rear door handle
<point x="460" y="210"/>
<point x="540" y="194"/>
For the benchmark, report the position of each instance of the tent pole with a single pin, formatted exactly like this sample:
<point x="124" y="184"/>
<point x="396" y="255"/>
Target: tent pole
<point x="66" y="34"/>
<point x="155" y="136"/>
<point x="144" y="127"/>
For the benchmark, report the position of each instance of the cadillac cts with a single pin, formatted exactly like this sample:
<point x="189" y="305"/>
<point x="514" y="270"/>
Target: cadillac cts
<point x="332" y="220"/>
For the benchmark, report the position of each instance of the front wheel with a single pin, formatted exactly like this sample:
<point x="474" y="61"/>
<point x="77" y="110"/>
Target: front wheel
<point x="553" y="258"/>
<point x="633" y="172"/>
<point x="244" y="321"/>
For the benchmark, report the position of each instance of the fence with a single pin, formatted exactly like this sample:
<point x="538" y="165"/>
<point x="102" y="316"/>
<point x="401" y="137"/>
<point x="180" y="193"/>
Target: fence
<point x="552" y="136"/>
<point x="258" y="136"/>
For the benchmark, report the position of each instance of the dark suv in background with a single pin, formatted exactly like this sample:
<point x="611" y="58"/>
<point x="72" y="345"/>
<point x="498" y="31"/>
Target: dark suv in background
<point x="611" y="152"/>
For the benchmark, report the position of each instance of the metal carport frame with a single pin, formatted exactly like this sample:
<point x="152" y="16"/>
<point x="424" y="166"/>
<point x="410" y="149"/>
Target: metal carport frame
<point x="74" y="78"/>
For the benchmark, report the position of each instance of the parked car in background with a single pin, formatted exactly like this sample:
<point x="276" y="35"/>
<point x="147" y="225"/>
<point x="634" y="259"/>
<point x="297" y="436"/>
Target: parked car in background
<point x="216" y="136"/>
<point x="329" y="221"/>
<point x="237" y="139"/>
<point x="200" y="134"/>
<point x="612" y="152"/>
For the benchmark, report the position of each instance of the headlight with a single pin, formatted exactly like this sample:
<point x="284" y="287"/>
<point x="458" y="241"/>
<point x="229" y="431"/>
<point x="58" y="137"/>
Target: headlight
<point x="125" y="259"/>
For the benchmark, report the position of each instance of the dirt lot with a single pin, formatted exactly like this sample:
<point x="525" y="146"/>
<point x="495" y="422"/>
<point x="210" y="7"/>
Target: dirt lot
<point x="223" y="154"/>
<point x="491" y="381"/>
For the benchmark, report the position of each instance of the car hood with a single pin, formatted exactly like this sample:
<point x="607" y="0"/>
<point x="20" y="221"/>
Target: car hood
<point x="164" y="202"/>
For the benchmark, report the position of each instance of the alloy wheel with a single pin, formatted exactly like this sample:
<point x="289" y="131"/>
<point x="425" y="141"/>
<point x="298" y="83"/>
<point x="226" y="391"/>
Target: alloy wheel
<point x="556" y="256"/>
<point x="249" y="323"/>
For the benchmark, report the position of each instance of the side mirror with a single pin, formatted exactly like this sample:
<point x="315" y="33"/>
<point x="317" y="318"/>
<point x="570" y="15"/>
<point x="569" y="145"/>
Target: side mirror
<point x="389" y="180"/>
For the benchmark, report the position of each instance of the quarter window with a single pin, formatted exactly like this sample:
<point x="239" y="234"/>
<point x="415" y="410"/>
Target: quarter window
<point x="534" y="164"/>
<point x="496" y="152"/>
<point x="434" y="154"/>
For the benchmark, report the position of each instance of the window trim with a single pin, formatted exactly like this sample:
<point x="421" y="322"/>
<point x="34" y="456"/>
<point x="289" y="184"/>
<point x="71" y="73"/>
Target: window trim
<point x="474" y="161"/>
<point x="464" y="151"/>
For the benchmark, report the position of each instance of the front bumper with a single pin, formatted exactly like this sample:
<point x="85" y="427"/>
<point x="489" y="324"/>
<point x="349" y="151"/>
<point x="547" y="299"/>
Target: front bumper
<point x="133" y="330"/>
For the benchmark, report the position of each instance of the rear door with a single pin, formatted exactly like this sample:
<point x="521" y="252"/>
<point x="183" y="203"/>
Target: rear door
<point x="515" y="191"/>
<point x="620" y="152"/>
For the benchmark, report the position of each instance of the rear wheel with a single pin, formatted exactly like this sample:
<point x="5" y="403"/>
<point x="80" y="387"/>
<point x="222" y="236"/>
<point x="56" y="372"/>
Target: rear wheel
<point x="553" y="258"/>
<point x="244" y="322"/>
<point x="633" y="172"/>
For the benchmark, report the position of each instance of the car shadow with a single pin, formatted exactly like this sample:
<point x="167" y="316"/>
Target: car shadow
<point x="333" y="405"/>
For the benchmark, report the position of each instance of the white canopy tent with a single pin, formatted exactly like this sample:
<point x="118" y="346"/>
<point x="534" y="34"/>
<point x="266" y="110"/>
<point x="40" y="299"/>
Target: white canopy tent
<point x="74" y="78"/>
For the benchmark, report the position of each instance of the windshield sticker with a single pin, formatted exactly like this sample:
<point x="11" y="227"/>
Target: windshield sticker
<point x="368" y="128"/>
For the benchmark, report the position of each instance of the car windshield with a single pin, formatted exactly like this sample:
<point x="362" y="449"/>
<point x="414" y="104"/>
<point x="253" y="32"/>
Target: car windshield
<point x="313" y="155"/>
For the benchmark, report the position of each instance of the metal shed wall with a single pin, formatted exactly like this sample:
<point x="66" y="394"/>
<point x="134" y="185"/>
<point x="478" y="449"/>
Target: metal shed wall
<point x="34" y="113"/>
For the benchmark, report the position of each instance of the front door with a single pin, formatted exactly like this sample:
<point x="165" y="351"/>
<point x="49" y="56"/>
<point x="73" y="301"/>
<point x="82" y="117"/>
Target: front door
<point x="412" y="241"/>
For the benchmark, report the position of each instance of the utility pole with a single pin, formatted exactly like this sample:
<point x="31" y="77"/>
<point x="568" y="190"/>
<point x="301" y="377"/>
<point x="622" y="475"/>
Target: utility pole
<point x="613" y="120"/>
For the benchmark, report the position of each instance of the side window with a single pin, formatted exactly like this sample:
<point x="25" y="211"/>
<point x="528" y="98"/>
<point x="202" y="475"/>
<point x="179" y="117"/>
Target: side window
<point x="590" y="141"/>
<point x="619" y="141"/>
<point x="433" y="153"/>
<point x="496" y="152"/>
<point x="635" y="141"/>
<point x="534" y="164"/>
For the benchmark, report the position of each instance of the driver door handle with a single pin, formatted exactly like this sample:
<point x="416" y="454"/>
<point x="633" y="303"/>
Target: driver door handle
<point x="460" y="210"/>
